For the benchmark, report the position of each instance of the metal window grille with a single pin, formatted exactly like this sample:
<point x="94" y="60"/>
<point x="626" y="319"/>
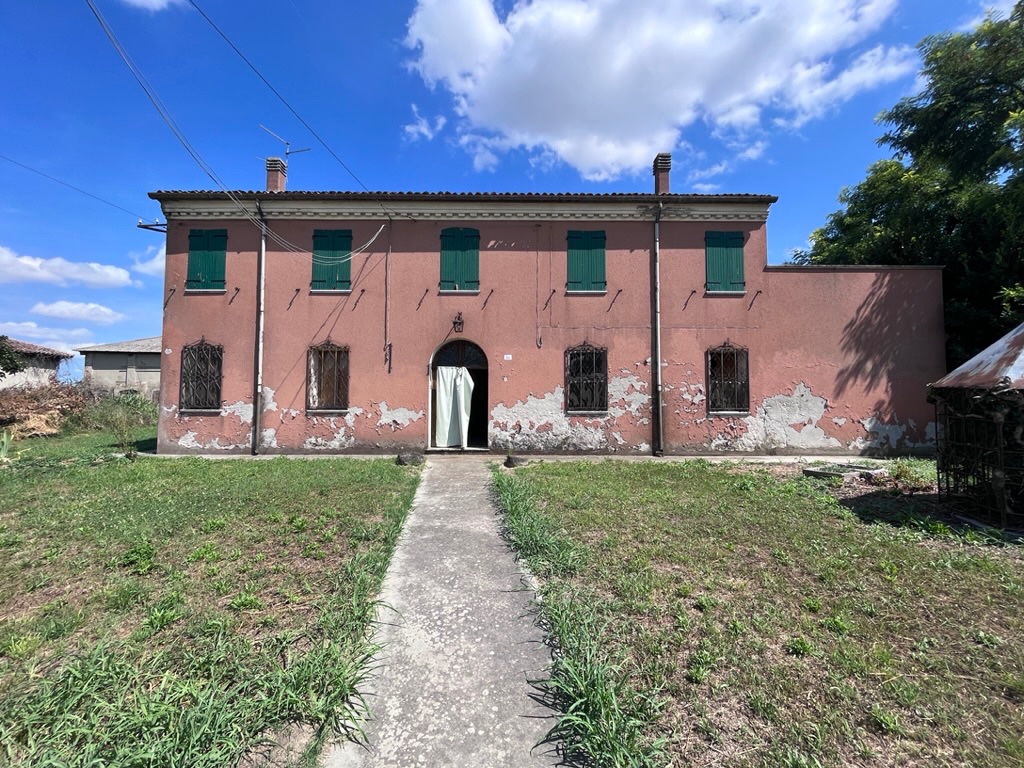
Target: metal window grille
<point x="327" y="387"/>
<point x="728" y="379"/>
<point x="201" y="365"/>
<point x="586" y="379"/>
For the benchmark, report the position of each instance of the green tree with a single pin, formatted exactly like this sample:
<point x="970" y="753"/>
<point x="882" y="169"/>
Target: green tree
<point x="955" y="195"/>
<point x="10" y="361"/>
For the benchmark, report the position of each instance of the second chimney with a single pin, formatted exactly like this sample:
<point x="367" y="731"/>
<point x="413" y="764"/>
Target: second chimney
<point x="277" y="174"/>
<point x="662" y="166"/>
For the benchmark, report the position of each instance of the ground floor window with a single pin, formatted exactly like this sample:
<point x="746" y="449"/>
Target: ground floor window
<point x="327" y="386"/>
<point x="728" y="380"/>
<point x="201" y="366"/>
<point x="586" y="379"/>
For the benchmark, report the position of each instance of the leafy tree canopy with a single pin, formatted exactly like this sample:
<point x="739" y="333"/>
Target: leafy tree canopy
<point x="954" y="195"/>
<point x="10" y="361"/>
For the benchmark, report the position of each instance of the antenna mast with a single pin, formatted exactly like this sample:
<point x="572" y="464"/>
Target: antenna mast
<point x="287" y="145"/>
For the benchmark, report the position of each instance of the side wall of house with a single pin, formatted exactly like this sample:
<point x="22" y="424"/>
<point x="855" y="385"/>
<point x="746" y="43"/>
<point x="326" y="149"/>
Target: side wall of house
<point x="838" y="359"/>
<point x="36" y="373"/>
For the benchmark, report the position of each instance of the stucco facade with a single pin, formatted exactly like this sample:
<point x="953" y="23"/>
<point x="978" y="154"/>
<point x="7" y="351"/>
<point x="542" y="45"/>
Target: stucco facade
<point x="837" y="359"/>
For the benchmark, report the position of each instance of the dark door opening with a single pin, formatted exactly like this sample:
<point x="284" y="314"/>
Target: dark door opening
<point x="464" y="354"/>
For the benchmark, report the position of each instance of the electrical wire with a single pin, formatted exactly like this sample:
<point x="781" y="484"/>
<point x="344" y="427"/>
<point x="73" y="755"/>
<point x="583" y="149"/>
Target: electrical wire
<point x="71" y="186"/>
<point x="276" y="93"/>
<point x="198" y="158"/>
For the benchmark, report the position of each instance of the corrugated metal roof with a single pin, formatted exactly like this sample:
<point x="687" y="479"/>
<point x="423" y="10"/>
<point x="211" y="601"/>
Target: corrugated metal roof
<point x="149" y="344"/>
<point x="991" y="367"/>
<point x="25" y="348"/>
<point x="542" y="197"/>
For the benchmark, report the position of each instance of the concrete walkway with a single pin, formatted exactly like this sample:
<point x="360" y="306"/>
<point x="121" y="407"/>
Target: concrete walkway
<point x="459" y="639"/>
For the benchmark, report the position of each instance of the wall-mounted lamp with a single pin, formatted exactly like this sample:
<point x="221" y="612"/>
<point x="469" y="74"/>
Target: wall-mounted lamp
<point x="457" y="323"/>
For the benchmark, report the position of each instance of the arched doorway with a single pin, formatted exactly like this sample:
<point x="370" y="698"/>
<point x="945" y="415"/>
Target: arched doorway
<point x="453" y="356"/>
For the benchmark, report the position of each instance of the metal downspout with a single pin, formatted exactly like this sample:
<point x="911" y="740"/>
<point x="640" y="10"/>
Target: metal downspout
<point x="257" y="393"/>
<point x="658" y="437"/>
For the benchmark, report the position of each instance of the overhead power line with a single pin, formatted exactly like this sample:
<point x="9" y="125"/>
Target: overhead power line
<point x="277" y="93"/>
<point x="70" y="186"/>
<point x="165" y="115"/>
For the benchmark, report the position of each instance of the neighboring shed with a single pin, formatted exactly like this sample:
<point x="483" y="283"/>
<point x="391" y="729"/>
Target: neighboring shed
<point x="980" y="412"/>
<point x="40" y="364"/>
<point x="124" y="366"/>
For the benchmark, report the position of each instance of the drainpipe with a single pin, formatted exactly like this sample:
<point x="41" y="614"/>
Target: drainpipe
<point x="257" y="393"/>
<point x="658" y="436"/>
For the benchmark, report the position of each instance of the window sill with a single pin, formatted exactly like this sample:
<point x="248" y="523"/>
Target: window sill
<point x="735" y="294"/>
<point x="318" y="291"/>
<point x="713" y="414"/>
<point x="199" y="412"/>
<point x="586" y="413"/>
<point x="602" y="292"/>
<point x="473" y="292"/>
<point x="205" y="290"/>
<point x="327" y="412"/>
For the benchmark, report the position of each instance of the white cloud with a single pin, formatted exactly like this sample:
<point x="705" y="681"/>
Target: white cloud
<point x="77" y="310"/>
<point x="606" y="85"/>
<point x="58" y="271"/>
<point x="154" y="265"/>
<point x="57" y="338"/>
<point x="153" y="5"/>
<point x="421" y="127"/>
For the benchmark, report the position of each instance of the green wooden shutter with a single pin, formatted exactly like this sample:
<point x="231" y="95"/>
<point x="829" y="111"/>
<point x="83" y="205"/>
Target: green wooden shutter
<point x="450" y="241"/>
<point x="207" y="253"/>
<point x="585" y="268"/>
<point x="332" y="260"/>
<point x="724" y="261"/>
<point x="216" y="254"/>
<point x="470" y="272"/>
<point x="460" y="259"/>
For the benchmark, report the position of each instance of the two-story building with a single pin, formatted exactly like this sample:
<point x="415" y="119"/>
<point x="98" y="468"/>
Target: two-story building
<point x="635" y="323"/>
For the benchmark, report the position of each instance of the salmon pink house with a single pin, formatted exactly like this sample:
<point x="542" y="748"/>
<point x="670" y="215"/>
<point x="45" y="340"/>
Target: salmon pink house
<point x="611" y="323"/>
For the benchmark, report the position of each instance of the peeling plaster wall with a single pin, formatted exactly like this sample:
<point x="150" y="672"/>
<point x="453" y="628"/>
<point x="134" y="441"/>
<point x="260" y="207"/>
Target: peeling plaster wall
<point x="839" y="359"/>
<point x="541" y="424"/>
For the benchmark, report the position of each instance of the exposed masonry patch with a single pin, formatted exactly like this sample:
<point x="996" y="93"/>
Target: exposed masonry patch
<point x="188" y="440"/>
<point x="241" y="409"/>
<point x="787" y="421"/>
<point x="397" y="418"/>
<point x="541" y="424"/>
<point x="268" y="438"/>
<point x="343" y="436"/>
<point x="878" y="435"/>
<point x="839" y="421"/>
<point x="269" y="404"/>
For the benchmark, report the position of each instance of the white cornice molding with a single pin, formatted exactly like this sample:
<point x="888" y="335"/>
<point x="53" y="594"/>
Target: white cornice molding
<point x="462" y="211"/>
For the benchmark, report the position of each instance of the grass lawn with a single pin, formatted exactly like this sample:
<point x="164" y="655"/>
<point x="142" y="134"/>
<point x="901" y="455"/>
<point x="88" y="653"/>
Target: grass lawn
<point x="718" y="615"/>
<point x="185" y="611"/>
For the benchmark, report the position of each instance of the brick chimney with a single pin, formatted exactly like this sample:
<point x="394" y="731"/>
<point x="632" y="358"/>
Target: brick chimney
<point x="662" y="165"/>
<point x="277" y="174"/>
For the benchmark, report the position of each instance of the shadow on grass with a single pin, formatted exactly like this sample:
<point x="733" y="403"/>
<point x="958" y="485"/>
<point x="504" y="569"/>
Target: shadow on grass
<point x="146" y="445"/>
<point x="927" y="512"/>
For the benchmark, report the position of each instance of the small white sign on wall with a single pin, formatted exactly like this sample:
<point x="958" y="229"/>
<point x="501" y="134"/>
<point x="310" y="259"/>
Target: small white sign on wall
<point x="508" y="356"/>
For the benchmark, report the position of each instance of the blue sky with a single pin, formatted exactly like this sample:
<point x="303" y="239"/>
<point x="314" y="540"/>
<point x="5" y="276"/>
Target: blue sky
<point x="763" y="96"/>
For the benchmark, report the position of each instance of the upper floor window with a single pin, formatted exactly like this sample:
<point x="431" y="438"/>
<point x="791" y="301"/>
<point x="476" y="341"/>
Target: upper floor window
<point x="586" y="379"/>
<point x="327" y="385"/>
<point x="207" y="252"/>
<point x="460" y="259"/>
<point x="728" y="380"/>
<point x="201" y="366"/>
<point x="332" y="260"/>
<point x="723" y="255"/>
<point x="585" y="266"/>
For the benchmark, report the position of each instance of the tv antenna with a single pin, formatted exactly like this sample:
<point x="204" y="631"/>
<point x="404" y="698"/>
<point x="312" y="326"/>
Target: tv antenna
<point x="287" y="145"/>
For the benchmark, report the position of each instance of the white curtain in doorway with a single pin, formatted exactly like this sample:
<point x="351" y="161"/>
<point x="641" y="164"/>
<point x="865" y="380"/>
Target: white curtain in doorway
<point x="454" y="396"/>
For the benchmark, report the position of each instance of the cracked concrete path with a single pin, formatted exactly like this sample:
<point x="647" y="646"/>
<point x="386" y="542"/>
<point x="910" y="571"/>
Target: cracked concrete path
<point x="459" y="640"/>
